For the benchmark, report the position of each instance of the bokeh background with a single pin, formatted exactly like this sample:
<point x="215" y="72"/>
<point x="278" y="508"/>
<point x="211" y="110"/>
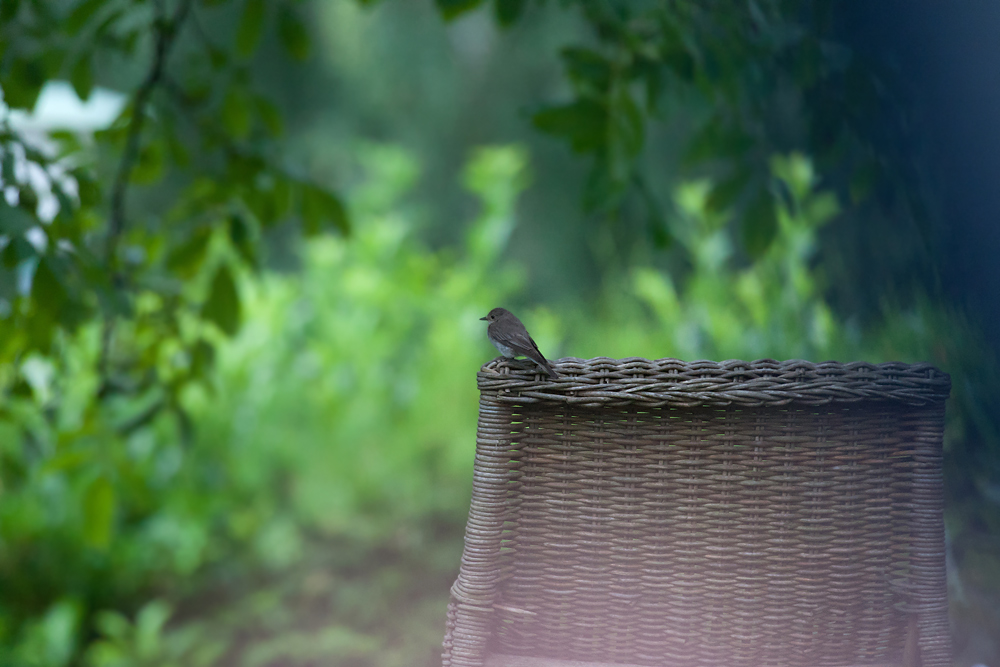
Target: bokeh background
<point x="246" y="243"/>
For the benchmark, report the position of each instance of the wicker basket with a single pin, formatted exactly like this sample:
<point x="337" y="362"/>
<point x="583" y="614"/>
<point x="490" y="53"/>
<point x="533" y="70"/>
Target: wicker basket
<point x="699" y="513"/>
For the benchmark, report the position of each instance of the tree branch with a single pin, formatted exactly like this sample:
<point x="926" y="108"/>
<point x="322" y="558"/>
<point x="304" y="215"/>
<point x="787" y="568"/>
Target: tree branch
<point x="166" y="35"/>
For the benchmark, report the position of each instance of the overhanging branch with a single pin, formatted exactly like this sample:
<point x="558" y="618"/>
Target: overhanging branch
<point x="166" y="31"/>
<point x="166" y="35"/>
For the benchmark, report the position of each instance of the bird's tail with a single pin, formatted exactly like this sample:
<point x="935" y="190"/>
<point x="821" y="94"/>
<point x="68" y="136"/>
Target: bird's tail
<point x="544" y="363"/>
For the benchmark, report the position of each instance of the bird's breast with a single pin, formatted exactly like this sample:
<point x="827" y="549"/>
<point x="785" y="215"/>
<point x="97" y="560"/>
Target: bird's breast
<point x="504" y="350"/>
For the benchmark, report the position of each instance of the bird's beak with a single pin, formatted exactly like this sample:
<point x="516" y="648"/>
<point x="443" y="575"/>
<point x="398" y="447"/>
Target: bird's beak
<point x="484" y="318"/>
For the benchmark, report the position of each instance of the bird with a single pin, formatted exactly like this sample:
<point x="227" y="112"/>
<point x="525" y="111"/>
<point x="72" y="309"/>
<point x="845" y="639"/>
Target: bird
<point x="510" y="337"/>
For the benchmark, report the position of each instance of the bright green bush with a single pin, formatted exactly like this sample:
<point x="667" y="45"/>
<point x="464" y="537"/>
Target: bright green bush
<point x="346" y="407"/>
<point x="725" y="306"/>
<point x="356" y="373"/>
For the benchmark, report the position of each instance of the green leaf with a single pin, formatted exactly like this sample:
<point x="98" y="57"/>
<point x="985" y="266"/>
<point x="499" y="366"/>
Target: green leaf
<point x="322" y="209"/>
<point x="760" y="224"/>
<point x="139" y="419"/>
<point x="509" y="11"/>
<point x="27" y="199"/>
<point x="116" y="134"/>
<point x="659" y="231"/>
<point x="149" y="166"/>
<point x="271" y="198"/>
<point x="202" y="358"/>
<point x="727" y="191"/>
<point x="60" y="627"/>
<point x="22" y="389"/>
<point x="681" y="62"/>
<point x="52" y="60"/>
<point x="603" y="193"/>
<point x="178" y="151"/>
<point x="282" y="193"/>
<point x="99" y="513"/>
<point x="69" y="142"/>
<point x="452" y="8"/>
<point x="270" y="116"/>
<point x="217" y="57"/>
<point x="149" y="630"/>
<point x="222" y="307"/>
<point x="589" y="71"/>
<point x="16" y="251"/>
<point x="293" y="34"/>
<point x="47" y="290"/>
<point x="583" y="123"/>
<point x="187" y="258"/>
<point x="236" y="113"/>
<point x="82" y="77"/>
<point x="627" y="124"/>
<point x="68" y="460"/>
<point x="242" y="239"/>
<point x="113" y="625"/>
<point x="716" y="140"/>
<point x="251" y="27"/>
<point x="651" y="74"/>
<point x="22" y="83"/>
<point x="624" y="137"/>
<point x="81" y="14"/>
<point x="244" y="167"/>
<point x="7" y="172"/>
<point x="14" y="220"/>
<point x="63" y="225"/>
<point x="8" y="9"/>
<point x="87" y="188"/>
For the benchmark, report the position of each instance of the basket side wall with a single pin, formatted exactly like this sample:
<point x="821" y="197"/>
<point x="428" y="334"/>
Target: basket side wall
<point x="789" y="536"/>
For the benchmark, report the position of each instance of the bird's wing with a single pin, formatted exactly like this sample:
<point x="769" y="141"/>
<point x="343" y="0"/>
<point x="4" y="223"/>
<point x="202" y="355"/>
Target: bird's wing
<point x="513" y="340"/>
<point x="534" y="346"/>
<point x="522" y="344"/>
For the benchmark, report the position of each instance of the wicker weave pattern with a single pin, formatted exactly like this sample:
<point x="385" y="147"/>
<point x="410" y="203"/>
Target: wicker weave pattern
<point x="666" y="513"/>
<point x="674" y="383"/>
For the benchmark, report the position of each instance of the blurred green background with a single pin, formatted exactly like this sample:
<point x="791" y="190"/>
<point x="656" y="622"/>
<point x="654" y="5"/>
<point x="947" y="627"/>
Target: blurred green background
<point x="240" y="286"/>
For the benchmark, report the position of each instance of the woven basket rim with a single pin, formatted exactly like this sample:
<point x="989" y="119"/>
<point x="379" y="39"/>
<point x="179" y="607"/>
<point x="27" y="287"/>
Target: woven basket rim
<point x="603" y="381"/>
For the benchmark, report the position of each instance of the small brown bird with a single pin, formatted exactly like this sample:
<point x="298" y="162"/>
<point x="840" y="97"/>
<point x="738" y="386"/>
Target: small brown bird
<point x="510" y="337"/>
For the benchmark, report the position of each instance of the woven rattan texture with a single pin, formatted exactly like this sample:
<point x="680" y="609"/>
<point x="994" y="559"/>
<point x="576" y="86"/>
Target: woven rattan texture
<point x="746" y="527"/>
<point x="670" y="382"/>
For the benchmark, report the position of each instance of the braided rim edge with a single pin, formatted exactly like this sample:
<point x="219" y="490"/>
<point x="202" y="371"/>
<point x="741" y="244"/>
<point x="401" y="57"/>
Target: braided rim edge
<point x="675" y="383"/>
